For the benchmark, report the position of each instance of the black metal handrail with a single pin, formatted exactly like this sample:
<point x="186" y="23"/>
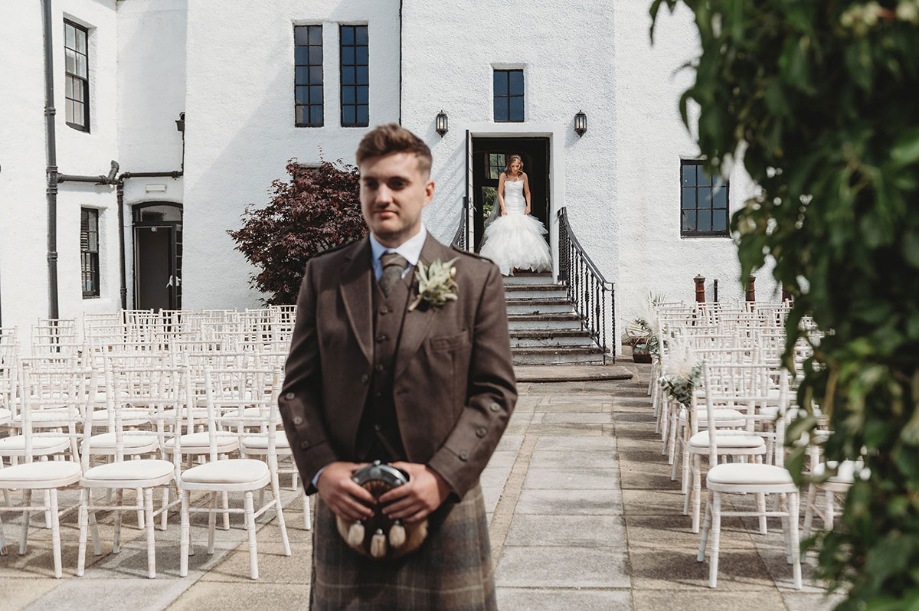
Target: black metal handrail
<point x="459" y="238"/>
<point x="593" y="297"/>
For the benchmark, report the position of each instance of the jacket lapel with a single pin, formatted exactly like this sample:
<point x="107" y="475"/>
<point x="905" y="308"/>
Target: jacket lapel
<point x="356" y="285"/>
<point x="417" y="322"/>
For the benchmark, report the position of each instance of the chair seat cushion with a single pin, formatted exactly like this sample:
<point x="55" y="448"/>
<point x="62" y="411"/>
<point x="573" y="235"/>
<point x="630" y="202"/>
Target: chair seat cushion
<point x="753" y="474"/>
<point x="132" y="439"/>
<point x="260" y="442"/>
<point x="131" y="470"/>
<point x="722" y="414"/>
<point x="234" y="471"/>
<point x="17" y="443"/>
<point x="48" y="417"/>
<point x="201" y="440"/>
<point x="728" y="439"/>
<point x="846" y="472"/>
<point x="5" y="415"/>
<point x="129" y="416"/>
<point x="59" y="471"/>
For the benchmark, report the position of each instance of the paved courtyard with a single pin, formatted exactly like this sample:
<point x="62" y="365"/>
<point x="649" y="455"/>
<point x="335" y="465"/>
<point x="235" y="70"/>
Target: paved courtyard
<point x="582" y="514"/>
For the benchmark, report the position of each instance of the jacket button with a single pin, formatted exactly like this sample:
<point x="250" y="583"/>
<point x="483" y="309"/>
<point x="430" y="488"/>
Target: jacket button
<point x="365" y="378"/>
<point x="298" y="420"/>
<point x="290" y="396"/>
<point x="305" y="445"/>
<point x="481" y="431"/>
<point x="494" y="407"/>
<point x="381" y="338"/>
<point x="464" y="456"/>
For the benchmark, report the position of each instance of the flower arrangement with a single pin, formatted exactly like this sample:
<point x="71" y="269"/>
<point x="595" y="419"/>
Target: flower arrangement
<point x="436" y="284"/>
<point x="682" y="373"/>
<point x="642" y="333"/>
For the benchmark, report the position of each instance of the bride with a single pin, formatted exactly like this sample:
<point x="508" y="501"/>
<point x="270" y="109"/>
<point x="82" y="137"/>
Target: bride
<point x="513" y="239"/>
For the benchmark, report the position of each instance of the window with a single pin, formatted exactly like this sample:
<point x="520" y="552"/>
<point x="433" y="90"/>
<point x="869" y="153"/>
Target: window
<point x="308" y="94"/>
<point x="496" y="165"/>
<point x="508" y="96"/>
<point x="76" y="59"/>
<point x="355" y="77"/>
<point x="704" y="203"/>
<point x="89" y="251"/>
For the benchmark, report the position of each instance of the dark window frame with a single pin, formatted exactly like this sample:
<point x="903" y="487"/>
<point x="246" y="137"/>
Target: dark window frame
<point x="309" y="86"/>
<point x="352" y="87"/>
<point x="89" y="256"/>
<point x="700" y="183"/>
<point x="506" y="98"/>
<point x="500" y="164"/>
<point x="71" y="78"/>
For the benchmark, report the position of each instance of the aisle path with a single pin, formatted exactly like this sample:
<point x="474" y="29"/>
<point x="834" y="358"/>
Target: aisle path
<point x="583" y="516"/>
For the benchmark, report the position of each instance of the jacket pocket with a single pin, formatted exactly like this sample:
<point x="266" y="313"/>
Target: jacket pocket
<point x="449" y="342"/>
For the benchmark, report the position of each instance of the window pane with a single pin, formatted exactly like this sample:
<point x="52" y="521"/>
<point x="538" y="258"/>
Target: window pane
<point x="516" y="82"/>
<point x="363" y="114"/>
<point x="301" y="75"/>
<point x="316" y="115"/>
<point x="347" y="56"/>
<point x="81" y="41"/>
<point x="689" y="220"/>
<point x="68" y="105"/>
<point x="720" y="220"/>
<point x="78" y="90"/>
<point x="81" y="66"/>
<point x="69" y="36"/>
<point x="315" y="35"/>
<point x="689" y="174"/>
<point x="68" y="87"/>
<point x="316" y="94"/>
<point x="705" y="197"/>
<point x="720" y="197"/>
<point x="347" y="95"/>
<point x="516" y="111"/>
<point x="302" y="114"/>
<point x="705" y="220"/>
<point x="501" y="161"/>
<point x="689" y="199"/>
<point x="348" y="115"/>
<point x="347" y="76"/>
<point x="362" y="95"/>
<point x="500" y="80"/>
<point x="500" y="109"/>
<point x="704" y="179"/>
<point x="78" y="117"/>
<point x="360" y="35"/>
<point x="347" y="35"/>
<point x="70" y="61"/>
<point x="360" y="55"/>
<point x="315" y="56"/>
<point x="316" y="75"/>
<point x="301" y="35"/>
<point x="302" y="56"/>
<point x="362" y="75"/>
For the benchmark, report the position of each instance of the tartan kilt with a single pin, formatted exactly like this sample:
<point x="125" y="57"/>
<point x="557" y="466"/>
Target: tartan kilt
<point x="451" y="571"/>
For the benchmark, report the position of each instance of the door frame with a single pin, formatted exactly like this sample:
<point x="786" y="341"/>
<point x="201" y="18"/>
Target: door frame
<point x="175" y="268"/>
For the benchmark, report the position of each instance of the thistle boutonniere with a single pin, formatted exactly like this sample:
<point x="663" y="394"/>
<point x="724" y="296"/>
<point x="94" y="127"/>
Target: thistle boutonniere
<point x="435" y="283"/>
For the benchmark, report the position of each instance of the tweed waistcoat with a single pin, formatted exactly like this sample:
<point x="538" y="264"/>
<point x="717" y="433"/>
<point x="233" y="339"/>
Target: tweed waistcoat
<point x="378" y="436"/>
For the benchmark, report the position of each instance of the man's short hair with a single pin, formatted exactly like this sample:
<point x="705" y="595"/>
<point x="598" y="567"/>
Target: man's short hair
<point x="393" y="138"/>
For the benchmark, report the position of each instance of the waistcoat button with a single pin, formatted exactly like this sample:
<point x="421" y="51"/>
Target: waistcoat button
<point x="481" y="431"/>
<point x="381" y="338"/>
<point x="298" y="420"/>
<point x="494" y="407"/>
<point x="464" y="456"/>
<point x="289" y="396"/>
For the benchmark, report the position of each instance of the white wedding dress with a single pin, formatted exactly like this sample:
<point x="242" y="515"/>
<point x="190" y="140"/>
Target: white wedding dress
<point x="516" y="239"/>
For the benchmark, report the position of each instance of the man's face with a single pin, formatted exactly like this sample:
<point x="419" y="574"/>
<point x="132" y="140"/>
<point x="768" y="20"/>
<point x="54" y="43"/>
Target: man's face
<point x="393" y="193"/>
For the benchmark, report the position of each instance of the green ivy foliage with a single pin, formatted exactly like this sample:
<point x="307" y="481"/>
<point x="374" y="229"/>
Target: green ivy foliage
<point x="820" y="98"/>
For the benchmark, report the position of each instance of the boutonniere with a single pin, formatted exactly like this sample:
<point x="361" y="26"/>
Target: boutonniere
<point x="435" y="283"/>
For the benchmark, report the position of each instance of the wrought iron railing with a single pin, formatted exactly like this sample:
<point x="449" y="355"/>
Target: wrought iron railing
<point x="459" y="238"/>
<point x="593" y="297"/>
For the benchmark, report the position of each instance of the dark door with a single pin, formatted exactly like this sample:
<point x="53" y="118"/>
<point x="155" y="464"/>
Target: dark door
<point x="489" y="158"/>
<point x="157" y="257"/>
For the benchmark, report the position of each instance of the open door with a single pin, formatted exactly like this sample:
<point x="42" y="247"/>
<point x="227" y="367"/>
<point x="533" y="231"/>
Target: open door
<point x="158" y="256"/>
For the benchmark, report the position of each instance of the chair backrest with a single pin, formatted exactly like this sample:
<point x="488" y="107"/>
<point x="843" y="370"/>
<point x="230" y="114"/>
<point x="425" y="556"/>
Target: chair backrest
<point x="246" y="398"/>
<point x="64" y="390"/>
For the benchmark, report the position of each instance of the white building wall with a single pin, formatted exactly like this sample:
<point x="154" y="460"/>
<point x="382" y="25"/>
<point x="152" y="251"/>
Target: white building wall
<point x="240" y="128"/>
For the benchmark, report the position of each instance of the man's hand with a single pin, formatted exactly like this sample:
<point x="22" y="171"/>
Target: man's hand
<point x="412" y="502"/>
<point x="341" y="494"/>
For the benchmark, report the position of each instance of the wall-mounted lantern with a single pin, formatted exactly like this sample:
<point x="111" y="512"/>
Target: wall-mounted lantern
<point x="580" y="123"/>
<point x="440" y="123"/>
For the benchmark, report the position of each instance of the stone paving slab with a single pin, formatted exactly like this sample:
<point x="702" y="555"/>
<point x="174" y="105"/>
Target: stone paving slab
<point x="570" y="502"/>
<point x="521" y="599"/>
<point x="583" y="567"/>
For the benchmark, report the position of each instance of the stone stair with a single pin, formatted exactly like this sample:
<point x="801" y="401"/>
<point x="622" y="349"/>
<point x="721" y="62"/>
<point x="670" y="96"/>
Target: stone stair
<point x="545" y="330"/>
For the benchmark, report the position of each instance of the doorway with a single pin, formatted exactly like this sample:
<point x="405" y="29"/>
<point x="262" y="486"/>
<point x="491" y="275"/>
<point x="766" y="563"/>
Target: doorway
<point x="158" y="256"/>
<point x="489" y="158"/>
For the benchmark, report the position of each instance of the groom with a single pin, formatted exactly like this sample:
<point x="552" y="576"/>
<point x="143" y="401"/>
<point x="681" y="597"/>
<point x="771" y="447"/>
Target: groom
<point x="428" y="389"/>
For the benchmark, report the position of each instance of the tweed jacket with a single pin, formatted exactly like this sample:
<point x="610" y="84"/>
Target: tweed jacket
<point x="454" y="387"/>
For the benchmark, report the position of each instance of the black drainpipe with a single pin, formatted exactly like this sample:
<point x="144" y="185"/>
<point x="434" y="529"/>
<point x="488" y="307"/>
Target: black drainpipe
<point x="51" y="162"/>
<point x="401" y="2"/>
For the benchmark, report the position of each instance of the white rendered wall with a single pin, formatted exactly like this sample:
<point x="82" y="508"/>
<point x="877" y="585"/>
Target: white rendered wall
<point x="24" y="225"/>
<point x="240" y="123"/>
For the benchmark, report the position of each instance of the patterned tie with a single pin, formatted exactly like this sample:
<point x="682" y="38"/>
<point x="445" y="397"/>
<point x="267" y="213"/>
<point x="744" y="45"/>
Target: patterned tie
<point x="393" y="266"/>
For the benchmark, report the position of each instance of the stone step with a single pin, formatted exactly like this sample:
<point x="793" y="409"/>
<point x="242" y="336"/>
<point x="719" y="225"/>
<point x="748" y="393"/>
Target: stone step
<point x="528" y="278"/>
<point x="539" y="306"/>
<point x="557" y="355"/>
<point x="550" y="338"/>
<point x="543" y="322"/>
<point x="534" y="291"/>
